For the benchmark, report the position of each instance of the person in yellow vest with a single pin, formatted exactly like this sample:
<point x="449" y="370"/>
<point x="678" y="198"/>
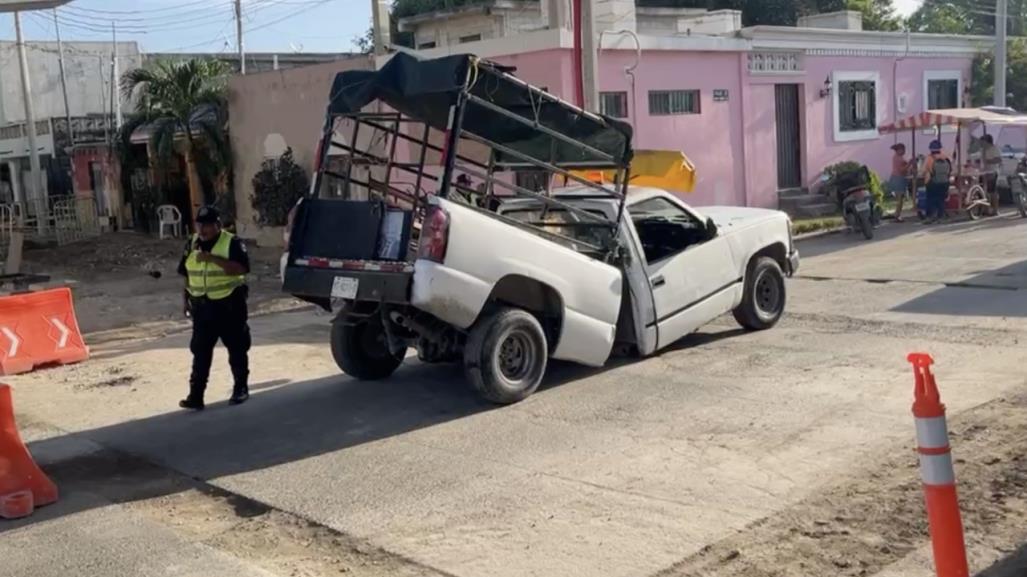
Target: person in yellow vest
<point x="215" y="265"/>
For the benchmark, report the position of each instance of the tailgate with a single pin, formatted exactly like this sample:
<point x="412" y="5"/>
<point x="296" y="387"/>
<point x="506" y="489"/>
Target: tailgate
<point x="323" y="280"/>
<point x="345" y="249"/>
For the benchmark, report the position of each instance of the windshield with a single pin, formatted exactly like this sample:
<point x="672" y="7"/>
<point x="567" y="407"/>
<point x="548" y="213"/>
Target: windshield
<point x="566" y="223"/>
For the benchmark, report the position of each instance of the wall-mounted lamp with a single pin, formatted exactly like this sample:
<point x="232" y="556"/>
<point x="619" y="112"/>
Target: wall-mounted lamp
<point x="826" y="90"/>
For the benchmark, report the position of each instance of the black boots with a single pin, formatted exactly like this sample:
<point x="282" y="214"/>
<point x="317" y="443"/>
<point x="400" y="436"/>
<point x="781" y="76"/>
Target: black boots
<point x="239" y="395"/>
<point x="191" y="403"/>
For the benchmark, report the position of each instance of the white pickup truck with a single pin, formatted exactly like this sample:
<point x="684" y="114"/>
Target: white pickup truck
<point x="504" y="281"/>
<point x="504" y="301"/>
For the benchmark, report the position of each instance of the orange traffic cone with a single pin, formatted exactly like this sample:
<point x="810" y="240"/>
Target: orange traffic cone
<point x="23" y="487"/>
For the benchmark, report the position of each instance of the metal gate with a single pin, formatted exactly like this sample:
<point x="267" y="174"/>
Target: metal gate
<point x="6" y="229"/>
<point x="789" y="139"/>
<point x="75" y="219"/>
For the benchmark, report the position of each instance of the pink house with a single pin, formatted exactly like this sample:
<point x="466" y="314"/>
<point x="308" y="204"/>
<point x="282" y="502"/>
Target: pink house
<point x="760" y="110"/>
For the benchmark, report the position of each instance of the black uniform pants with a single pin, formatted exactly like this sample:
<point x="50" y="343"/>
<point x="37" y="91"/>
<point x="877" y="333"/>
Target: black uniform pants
<point x="224" y="320"/>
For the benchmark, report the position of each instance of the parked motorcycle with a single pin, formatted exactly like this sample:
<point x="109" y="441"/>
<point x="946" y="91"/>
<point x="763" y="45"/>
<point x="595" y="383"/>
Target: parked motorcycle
<point x="1018" y="187"/>
<point x="852" y="190"/>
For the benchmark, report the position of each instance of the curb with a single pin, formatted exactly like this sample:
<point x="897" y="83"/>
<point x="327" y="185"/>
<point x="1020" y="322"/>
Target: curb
<point x="818" y="233"/>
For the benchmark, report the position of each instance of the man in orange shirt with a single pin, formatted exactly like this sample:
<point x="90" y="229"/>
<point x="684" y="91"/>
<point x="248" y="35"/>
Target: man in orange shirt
<point x="898" y="182"/>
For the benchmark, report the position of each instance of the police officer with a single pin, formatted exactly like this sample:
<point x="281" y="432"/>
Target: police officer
<point x="215" y="265"/>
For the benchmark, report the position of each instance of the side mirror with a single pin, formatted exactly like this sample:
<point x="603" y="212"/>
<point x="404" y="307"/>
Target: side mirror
<point x="711" y="228"/>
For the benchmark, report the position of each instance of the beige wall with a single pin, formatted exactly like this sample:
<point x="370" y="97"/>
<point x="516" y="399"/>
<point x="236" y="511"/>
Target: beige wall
<point x="270" y="111"/>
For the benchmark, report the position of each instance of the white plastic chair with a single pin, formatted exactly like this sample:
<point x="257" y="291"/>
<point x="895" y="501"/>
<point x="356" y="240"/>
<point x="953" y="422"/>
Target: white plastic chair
<point x="169" y="215"/>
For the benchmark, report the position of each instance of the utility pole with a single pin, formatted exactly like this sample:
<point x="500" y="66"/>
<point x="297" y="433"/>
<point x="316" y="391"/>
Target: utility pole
<point x="64" y="84"/>
<point x="67" y="107"/>
<point x="238" y="36"/>
<point x="36" y="182"/>
<point x="589" y="57"/>
<point x="381" y="33"/>
<point x="1001" y="13"/>
<point x="103" y="100"/>
<point x="116" y="79"/>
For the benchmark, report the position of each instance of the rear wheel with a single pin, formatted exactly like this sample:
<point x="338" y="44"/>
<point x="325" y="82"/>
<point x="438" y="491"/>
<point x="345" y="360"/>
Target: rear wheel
<point x="506" y="355"/>
<point x="764" y="299"/>
<point x="362" y="350"/>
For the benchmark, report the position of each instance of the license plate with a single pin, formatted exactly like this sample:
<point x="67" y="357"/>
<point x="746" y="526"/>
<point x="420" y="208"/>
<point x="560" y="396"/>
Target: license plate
<point x="344" y="287"/>
<point x="862" y="206"/>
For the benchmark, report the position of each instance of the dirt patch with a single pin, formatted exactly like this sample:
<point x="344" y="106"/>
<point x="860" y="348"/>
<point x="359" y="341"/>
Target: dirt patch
<point x="877" y="518"/>
<point x="116" y="377"/>
<point x="278" y="542"/>
<point x="124" y="279"/>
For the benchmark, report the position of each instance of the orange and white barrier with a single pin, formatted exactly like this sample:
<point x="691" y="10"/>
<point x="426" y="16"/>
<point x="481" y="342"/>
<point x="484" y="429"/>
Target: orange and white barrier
<point x="23" y="486"/>
<point x="39" y="328"/>
<point x="936" y="472"/>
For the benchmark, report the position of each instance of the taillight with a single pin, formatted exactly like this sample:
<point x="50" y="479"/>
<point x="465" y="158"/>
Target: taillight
<point x="434" y="235"/>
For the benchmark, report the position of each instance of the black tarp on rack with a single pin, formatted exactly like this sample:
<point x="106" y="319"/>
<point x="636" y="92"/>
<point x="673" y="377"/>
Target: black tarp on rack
<point x="426" y="89"/>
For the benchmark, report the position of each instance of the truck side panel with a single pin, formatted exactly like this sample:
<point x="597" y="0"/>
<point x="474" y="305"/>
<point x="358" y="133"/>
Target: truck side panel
<point x="483" y="250"/>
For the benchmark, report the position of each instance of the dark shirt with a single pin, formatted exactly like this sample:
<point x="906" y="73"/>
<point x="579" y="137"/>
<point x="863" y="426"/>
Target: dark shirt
<point x="236" y="253"/>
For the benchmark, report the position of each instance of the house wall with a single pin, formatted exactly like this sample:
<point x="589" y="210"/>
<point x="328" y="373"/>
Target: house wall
<point x="712" y="139"/>
<point x="448" y="32"/>
<point x="271" y="111"/>
<point x="734" y="143"/>
<point x="822" y="149"/>
<point x="89" y="91"/>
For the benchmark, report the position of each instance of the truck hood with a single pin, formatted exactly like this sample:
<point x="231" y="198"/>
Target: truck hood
<point x="737" y="216"/>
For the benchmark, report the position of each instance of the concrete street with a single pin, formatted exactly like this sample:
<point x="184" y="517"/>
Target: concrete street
<point x="626" y="472"/>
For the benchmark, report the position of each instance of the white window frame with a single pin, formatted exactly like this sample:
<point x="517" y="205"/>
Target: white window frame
<point x="930" y="75"/>
<point x="854" y="136"/>
<point x="627" y="103"/>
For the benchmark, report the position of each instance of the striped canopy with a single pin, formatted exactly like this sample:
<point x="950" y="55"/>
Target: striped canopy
<point x="990" y="115"/>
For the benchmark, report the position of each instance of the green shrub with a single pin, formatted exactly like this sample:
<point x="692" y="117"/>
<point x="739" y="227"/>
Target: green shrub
<point x="276" y="189"/>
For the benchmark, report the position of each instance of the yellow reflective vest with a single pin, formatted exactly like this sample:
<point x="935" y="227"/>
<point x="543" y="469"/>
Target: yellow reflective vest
<point x="208" y="279"/>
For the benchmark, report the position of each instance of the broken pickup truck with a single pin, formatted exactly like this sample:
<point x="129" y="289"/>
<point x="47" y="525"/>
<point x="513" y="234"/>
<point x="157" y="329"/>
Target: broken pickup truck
<point x="508" y="274"/>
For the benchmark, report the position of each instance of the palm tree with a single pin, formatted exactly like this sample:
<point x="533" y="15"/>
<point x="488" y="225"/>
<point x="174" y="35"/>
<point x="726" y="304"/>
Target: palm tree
<point x="185" y="101"/>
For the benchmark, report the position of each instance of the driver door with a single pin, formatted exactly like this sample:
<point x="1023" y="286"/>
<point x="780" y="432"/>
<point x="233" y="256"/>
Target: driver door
<point x="691" y="271"/>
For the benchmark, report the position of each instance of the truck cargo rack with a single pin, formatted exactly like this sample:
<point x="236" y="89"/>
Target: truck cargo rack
<point x="492" y="124"/>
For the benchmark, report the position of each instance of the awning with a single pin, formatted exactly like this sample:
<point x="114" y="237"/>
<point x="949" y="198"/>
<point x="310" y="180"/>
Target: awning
<point x="665" y="169"/>
<point x="989" y="115"/>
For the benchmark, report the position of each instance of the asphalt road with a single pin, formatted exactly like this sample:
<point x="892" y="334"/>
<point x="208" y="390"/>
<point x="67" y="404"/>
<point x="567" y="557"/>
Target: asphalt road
<point x="619" y="472"/>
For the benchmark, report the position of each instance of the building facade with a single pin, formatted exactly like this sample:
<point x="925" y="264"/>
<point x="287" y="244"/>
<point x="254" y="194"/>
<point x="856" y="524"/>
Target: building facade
<point x="759" y="110"/>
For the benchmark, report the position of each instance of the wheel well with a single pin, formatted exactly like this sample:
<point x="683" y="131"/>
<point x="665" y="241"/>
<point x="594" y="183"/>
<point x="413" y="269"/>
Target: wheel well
<point x="535" y="297"/>
<point x="776" y="251"/>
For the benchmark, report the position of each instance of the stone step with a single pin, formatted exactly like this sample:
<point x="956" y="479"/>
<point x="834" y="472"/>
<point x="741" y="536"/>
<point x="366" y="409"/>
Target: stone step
<point x="787" y="203"/>
<point x="814" y="210"/>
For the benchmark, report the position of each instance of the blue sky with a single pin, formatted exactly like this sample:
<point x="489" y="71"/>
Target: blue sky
<point x="208" y="25"/>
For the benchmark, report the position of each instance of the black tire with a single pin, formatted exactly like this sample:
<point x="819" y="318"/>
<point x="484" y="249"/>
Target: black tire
<point x="866" y="226"/>
<point x="362" y="351"/>
<point x="765" y="295"/>
<point x="506" y="355"/>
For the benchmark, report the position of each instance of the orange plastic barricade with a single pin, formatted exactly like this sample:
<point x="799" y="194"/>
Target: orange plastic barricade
<point x="936" y="472"/>
<point x="23" y="487"/>
<point x="37" y="329"/>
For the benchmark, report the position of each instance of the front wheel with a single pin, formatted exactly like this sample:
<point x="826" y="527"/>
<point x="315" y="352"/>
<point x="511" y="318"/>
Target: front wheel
<point x="866" y="225"/>
<point x="763" y="302"/>
<point x="362" y="350"/>
<point x="506" y="355"/>
<point x="976" y="200"/>
<point x="1019" y="193"/>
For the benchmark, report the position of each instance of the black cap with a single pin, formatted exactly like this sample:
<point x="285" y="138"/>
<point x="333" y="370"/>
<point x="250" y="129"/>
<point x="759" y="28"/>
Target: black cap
<point x="208" y="215"/>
